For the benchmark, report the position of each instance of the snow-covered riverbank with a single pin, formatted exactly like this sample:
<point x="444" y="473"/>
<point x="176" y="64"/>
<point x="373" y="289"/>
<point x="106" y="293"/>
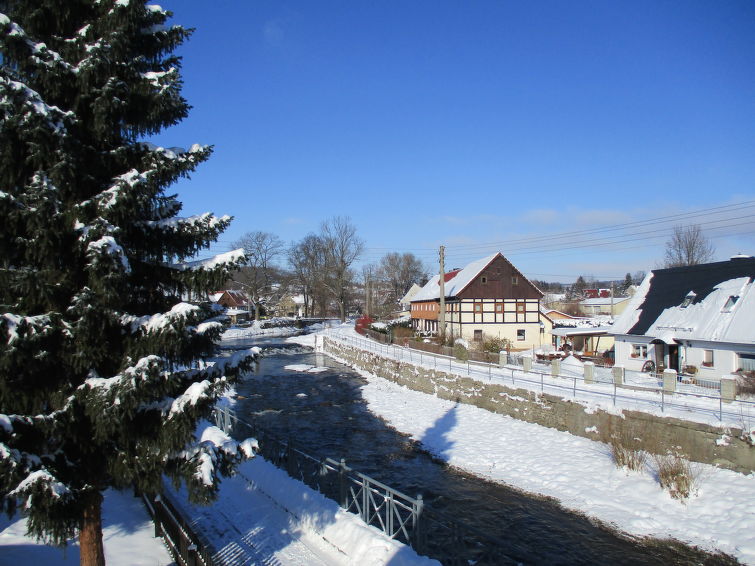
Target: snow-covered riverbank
<point x="576" y="471"/>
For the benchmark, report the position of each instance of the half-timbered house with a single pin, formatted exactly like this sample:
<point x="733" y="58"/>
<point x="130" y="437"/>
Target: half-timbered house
<point x="488" y="297"/>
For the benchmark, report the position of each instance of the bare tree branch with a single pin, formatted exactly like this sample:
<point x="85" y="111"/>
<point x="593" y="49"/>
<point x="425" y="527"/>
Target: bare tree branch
<point x="688" y="246"/>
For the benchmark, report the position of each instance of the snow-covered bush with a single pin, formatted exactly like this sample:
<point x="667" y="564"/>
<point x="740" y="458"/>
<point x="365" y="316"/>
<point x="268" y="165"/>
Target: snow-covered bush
<point x="676" y="475"/>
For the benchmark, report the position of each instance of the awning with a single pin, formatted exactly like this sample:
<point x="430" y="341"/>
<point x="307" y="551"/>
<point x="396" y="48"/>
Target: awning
<point x="665" y="338"/>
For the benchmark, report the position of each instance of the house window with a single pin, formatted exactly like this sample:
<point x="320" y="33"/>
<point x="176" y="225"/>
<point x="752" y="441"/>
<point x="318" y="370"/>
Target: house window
<point x="730" y="303"/>
<point x="499" y="307"/>
<point x="688" y="300"/>
<point x="520" y="308"/>
<point x="478" y="335"/>
<point x="520" y="334"/>
<point x="514" y="280"/>
<point x="478" y="308"/>
<point x="708" y="358"/>
<point x="746" y="362"/>
<point x="484" y="280"/>
<point x="639" y="351"/>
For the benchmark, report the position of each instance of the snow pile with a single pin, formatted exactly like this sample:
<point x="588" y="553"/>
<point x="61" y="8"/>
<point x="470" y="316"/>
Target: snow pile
<point x="572" y="367"/>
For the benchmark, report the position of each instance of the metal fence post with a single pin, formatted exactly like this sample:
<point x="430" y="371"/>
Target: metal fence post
<point x="417" y="530"/>
<point x="365" y="500"/>
<point x="343" y="491"/>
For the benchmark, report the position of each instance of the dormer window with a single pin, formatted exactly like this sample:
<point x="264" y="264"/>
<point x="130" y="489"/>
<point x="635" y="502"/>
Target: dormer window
<point x="730" y="302"/>
<point x="688" y="300"/>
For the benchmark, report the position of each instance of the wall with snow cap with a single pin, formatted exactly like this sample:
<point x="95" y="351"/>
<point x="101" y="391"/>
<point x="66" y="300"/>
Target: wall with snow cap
<point x="697" y="441"/>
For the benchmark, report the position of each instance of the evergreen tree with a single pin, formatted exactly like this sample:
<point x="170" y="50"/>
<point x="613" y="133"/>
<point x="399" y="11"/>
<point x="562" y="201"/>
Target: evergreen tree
<point x="102" y="372"/>
<point x="628" y="282"/>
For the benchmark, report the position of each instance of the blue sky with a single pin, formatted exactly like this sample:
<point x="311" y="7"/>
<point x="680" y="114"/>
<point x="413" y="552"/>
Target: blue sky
<point x="477" y="125"/>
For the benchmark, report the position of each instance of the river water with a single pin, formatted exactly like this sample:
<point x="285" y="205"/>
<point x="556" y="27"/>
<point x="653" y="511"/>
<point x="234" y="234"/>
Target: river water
<point x="325" y="415"/>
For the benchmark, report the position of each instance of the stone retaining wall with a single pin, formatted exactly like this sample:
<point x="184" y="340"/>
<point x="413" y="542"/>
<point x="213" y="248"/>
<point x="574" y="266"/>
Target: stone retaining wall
<point x="696" y="441"/>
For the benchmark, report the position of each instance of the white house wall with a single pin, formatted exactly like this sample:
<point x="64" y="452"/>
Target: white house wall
<point x="691" y="353"/>
<point x="498" y="318"/>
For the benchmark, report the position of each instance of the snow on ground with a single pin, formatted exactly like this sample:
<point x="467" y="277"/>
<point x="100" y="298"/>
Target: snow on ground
<point x="576" y="471"/>
<point x="128" y="535"/>
<point x="284" y="327"/>
<point x="262" y="516"/>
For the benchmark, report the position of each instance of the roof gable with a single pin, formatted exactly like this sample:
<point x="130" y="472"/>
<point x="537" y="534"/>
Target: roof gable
<point x="462" y="280"/>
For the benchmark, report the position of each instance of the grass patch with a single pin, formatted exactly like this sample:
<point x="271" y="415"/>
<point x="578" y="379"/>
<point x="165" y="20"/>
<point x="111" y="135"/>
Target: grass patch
<point x="676" y="475"/>
<point x="626" y="453"/>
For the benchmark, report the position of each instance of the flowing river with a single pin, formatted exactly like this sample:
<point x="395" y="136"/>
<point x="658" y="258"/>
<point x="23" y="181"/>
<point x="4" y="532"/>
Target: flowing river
<point x="326" y="416"/>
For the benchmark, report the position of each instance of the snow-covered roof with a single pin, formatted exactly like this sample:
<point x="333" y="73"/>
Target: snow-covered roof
<point x="413" y="290"/>
<point x="298" y="299"/>
<point x="713" y="302"/>
<point x="548" y="312"/>
<point x="215" y="297"/>
<point x="582" y="331"/>
<point x="455" y="284"/>
<point x="234" y="311"/>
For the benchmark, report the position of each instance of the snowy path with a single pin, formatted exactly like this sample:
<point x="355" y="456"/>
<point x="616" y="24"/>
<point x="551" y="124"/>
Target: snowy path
<point x="262" y="516"/>
<point x="576" y="471"/>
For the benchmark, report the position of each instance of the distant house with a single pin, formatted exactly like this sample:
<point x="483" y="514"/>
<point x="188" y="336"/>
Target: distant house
<point x="556" y="315"/>
<point x="597" y="293"/>
<point x="603" y="305"/>
<point x="487" y="297"/>
<point x="699" y="317"/>
<point x="291" y="305"/>
<point x="237" y="303"/>
<point x="406" y="300"/>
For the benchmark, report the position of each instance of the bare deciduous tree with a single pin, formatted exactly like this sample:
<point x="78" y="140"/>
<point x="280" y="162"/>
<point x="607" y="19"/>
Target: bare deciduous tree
<point x="342" y="248"/>
<point x="400" y="271"/>
<point x="307" y="261"/>
<point x="261" y="249"/>
<point x="688" y="246"/>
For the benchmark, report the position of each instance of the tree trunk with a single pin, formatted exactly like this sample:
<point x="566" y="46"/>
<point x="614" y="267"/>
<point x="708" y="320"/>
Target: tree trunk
<point x="342" y="310"/>
<point x="90" y="536"/>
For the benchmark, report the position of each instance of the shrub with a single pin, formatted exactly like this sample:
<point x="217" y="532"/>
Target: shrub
<point x="402" y="332"/>
<point x="692" y="370"/>
<point x="626" y="452"/>
<point x="362" y="323"/>
<point x="746" y="382"/>
<point x="461" y="352"/>
<point x="495" y="344"/>
<point x="676" y="475"/>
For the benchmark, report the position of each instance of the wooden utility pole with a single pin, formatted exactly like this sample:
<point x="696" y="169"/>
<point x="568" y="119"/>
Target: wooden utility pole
<point x="442" y="283"/>
<point x="611" y="299"/>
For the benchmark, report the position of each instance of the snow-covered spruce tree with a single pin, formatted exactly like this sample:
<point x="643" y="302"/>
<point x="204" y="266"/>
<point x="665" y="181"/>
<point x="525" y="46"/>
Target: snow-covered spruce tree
<point x="102" y="372"/>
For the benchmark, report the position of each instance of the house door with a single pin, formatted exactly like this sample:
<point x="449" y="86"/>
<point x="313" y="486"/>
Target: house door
<point x="673" y="357"/>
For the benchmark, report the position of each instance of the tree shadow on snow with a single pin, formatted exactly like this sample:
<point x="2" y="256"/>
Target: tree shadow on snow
<point x="436" y="438"/>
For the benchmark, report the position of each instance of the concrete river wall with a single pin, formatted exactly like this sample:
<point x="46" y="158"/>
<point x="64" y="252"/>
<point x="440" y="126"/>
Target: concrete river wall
<point x="727" y="448"/>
